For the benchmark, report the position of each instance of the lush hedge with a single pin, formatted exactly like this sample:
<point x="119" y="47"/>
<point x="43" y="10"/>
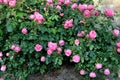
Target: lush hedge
<point x="39" y="35"/>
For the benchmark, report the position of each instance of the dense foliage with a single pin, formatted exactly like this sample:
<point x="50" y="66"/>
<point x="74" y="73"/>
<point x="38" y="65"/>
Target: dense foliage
<point x="41" y="35"/>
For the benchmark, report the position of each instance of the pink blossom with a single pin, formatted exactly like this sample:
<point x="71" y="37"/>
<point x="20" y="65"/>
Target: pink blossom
<point x="86" y="13"/>
<point x="98" y="66"/>
<point x="68" y="52"/>
<point x="107" y="71"/>
<point x="92" y="74"/>
<point x="32" y="16"/>
<point x="82" y="21"/>
<point x="38" y="47"/>
<point x="58" y="7"/>
<point x="77" y="42"/>
<point x="87" y="36"/>
<point x="82" y="7"/>
<point x="106" y="79"/>
<point x="90" y="7"/>
<point x="5" y="1"/>
<point x="3" y="68"/>
<point x="1" y="54"/>
<point x="109" y="12"/>
<point x="12" y="3"/>
<point x="61" y="42"/>
<point x="118" y="44"/>
<point x="49" y="51"/>
<point x="74" y="6"/>
<point x="49" y="1"/>
<point x="38" y="16"/>
<point x="42" y="59"/>
<point x="61" y="14"/>
<point x="17" y="49"/>
<point x="13" y="47"/>
<point x="7" y="54"/>
<point x="119" y="75"/>
<point x="76" y="58"/>
<point x="96" y="13"/>
<point x="115" y="32"/>
<point x="1" y="1"/>
<point x="118" y="50"/>
<point x="68" y="24"/>
<point x="82" y="72"/>
<point x="80" y="34"/>
<point x="92" y="34"/>
<point x="1" y="79"/>
<point x="59" y="50"/>
<point x="0" y="58"/>
<point x="24" y="30"/>
<point x="52" y="46"/>
<point x="67" y="2"/>
<point x="61" y="1"/>
<point x="44" y="9"/>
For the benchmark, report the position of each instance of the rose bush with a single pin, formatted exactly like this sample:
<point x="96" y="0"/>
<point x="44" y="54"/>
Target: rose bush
<point x="39" y="35"/>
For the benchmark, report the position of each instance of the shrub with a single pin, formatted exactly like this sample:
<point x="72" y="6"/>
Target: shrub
<point x="38" y="36"/>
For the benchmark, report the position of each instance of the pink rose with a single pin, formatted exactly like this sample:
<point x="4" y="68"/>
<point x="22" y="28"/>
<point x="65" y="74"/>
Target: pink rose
<point x="68" y="24"/>
<point x="13" y="47"/>
<point x="52" y="46"/>
<point x="109" y="12"/>
<point x="61" y="42"/>
<point x="118" y="44"/>
<point x="106" y="79"/>
<point x="1" y="1"/>
<point x="61" y="14"/>
<point x="107" y="71"/>
<point x="67" y="2"/>
<point x="1" y="54"/>
<point x="90" y="7"/>
<point x="42" y="59"/>
<point x="68" y="52"/>
<point x="38" y="17"/>
<point x="1" y="79"/>
<point x="3" y="68"/>
<point x="87" y="36"/>
<point x="115" y="32"/>
<point x="38" y="47"/>
<point x="98" y="66"/>
<point x="17" y="49"/>
<point x="0" y="58"/>
<point x="61" y="1"/>
<point x="118" y="50"/>
<point x="74" y="6"/>
<point x="82" y="21"/>
<point x="76" y="58"/>
<point x="5" y="1"/>
<point x="92" y="34"/>
<point x="49" y="51"/>
<point x="92" y="74"/>
<point x="119" y="75"/>
<point x="24" y="30"/>
<point x="96" y="13"/>
<point x="7" y="54"/>
<point x="44" y="9"/>
<point x="82" y="7"/>
<point x="86" y="13"/>
<point x="58" y="7"/>
<point x="82" y="72"/>
<point x="59" y="50"/>
<point x="12" y="3"/>
<point x="80" y="34"/>
<point x="77" y="42"/>
<point x="32" y="16"/>
<point x="49" y="1"/>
